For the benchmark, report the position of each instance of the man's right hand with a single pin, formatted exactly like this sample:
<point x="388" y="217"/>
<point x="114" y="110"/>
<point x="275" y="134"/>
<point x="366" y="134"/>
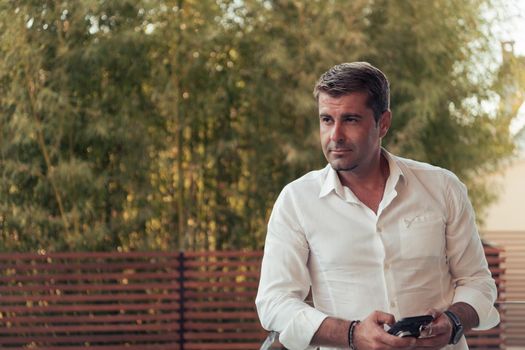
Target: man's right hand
<point x="370" y="334"/>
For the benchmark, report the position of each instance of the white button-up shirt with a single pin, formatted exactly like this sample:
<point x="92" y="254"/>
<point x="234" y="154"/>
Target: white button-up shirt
<point x="421" y="250"/>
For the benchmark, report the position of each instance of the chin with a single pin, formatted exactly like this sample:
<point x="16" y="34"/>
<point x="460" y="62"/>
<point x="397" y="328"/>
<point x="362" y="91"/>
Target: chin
<point x="337" y="166"/>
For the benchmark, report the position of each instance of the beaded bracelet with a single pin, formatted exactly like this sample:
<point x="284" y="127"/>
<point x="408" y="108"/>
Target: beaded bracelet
<point x="351" y="334"/>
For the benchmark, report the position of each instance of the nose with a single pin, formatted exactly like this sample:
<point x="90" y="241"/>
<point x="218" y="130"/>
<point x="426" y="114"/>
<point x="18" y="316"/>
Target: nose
<point x="336" y="134"/>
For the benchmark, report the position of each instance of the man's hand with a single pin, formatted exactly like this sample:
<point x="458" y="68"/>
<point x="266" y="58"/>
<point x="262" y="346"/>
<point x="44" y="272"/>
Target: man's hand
<point x="437" y="335"/>
<point x="370" y="334"/>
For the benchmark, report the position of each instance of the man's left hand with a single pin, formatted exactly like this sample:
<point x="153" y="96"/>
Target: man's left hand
<point x="438" y="334"/>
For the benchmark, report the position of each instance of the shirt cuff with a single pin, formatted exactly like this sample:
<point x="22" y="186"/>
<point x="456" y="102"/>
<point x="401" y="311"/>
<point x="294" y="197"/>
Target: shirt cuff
<point x="300" y="330"/>
<point x="487" y="313"/>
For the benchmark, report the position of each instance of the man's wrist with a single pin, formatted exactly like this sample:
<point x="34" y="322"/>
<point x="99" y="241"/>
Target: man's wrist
<point x="333" y="332"/>
<point x="466" y="313"/>
<point x="457" y="327"/>
<point x="351" y="331"/>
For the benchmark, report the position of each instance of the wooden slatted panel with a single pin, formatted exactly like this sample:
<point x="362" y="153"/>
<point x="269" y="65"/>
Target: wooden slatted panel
<point x="492" y="338"/>
<point x="514" y="324"/>
<point x="220" y="289"/>
<point x="101" y="300"/>
<point x="114" y="301"/>
<point x="513" y="243"/>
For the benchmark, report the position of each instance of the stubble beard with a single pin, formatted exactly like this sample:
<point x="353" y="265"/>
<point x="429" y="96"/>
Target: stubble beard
<point x="342" y="168"/>
<point x="342" y="165"/>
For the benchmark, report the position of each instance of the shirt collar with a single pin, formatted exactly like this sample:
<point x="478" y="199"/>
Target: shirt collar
<point x="332" y="183"/>
<point x="396" y="173"/>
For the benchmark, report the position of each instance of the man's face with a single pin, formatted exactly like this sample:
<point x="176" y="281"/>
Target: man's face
<point x="350" y="137"/>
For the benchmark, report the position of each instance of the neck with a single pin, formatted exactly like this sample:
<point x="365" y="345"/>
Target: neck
<point x="369" y="187"/>
<point x="373" y="178"/>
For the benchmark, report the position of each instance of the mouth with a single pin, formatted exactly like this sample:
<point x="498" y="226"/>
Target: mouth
<point x="340" y="150"/>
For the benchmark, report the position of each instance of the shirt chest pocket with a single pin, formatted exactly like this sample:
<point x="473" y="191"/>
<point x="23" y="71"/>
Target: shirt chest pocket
<point x="422" y="236"/>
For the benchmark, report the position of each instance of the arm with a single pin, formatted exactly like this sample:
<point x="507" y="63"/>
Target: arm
<point x="285" y="279"/>
<point x="475" y="291"/>
<point x="474" y="284"/>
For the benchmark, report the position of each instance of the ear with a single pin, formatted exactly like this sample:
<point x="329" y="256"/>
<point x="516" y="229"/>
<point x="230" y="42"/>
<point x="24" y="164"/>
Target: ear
<point x="385" y="122"/>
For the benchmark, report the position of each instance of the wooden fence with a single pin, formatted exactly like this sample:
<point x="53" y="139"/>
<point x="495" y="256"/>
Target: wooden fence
<point x="513" y="245"/>
<point x="129" y="301"/>
<point x="493" y="338"/>
<point x="126" y="301"/>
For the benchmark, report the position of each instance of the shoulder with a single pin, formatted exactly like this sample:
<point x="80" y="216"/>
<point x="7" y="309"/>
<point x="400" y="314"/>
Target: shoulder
<point x="309" y="182"/>
<point x="426" y="172"/>
<point x="304" y="189"/>
<point x="296" y="198"/>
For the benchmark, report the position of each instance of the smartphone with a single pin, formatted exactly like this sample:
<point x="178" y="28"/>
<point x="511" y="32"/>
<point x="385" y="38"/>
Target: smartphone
<point x="410" y="326"/>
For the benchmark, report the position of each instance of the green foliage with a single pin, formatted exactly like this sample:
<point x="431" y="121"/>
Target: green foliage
<point x="435" y="54"/>
<point x="77" y="148"/>
<point x="163" y="124"/>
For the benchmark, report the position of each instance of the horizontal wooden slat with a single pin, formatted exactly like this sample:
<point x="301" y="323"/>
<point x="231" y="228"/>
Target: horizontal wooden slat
<point x="223" y="346"/>
<point x="212" y="285"/>
<point x="219" y="304"/>
<point x="235" y="254"/>
<point x="89" y="328"/>
<point x="57" y="265"/>
<point x="87" y="255"/>
<point x="63" y="288"/>
<point x="91" y="307"/>
<point x="84" y="298"/>
<point x="484" y="342"/>
<point x="206" y="294"/>
<point x="214" y="315"/>
<point x="492" y="331"/>
<point x="91" y="318"/>
<point x="220" y="326"/>
<point x="143" y="346"/>
<point x="64" y="339"/>
<point x="223" y="335"/>
<point x="84" y="277"/>
<point x="255" y="264"/>
<point x="221" y="274"/>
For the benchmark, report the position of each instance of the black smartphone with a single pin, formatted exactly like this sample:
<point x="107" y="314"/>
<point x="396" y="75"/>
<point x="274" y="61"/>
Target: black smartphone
<point x="410" y="326"/>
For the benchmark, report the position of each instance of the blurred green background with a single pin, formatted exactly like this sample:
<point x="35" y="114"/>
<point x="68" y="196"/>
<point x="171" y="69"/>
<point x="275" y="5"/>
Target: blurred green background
<point x="157" y="124"/>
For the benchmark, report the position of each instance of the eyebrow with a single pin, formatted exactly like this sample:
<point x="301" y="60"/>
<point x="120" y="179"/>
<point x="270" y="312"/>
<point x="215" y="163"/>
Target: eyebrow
<point x="354" y="115"/>
<point x="346" y="115"/>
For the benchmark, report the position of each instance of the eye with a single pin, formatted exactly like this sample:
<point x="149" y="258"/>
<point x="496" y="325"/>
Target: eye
<point x="325" y="119"/>
<point x="351" y="119"/>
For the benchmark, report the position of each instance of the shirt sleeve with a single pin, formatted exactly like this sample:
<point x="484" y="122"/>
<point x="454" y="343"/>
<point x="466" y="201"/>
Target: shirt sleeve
<point x="468" y="265"/>
<point x="285" y="280"/>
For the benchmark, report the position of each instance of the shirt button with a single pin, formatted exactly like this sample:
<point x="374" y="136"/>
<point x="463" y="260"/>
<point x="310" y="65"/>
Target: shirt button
<point x="393" y="303"/>
<point x="379" y="230"/>
<point x="387" y="266"/>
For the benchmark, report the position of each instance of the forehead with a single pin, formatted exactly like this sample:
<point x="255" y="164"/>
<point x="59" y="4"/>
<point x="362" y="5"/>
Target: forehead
<point x="354" y="102"/>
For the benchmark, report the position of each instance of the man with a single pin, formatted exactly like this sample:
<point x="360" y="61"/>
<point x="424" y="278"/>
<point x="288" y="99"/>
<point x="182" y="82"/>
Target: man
<point x="376" y="237"/>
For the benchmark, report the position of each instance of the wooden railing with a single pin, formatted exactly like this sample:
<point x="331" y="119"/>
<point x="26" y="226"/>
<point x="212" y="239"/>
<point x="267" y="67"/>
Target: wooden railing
<point x="219" y="310"/>
<point x="129" y="301"/>
<point x="513" y="243"/>
<point x="126" y="301"/>
<point x="492" y="338"/>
